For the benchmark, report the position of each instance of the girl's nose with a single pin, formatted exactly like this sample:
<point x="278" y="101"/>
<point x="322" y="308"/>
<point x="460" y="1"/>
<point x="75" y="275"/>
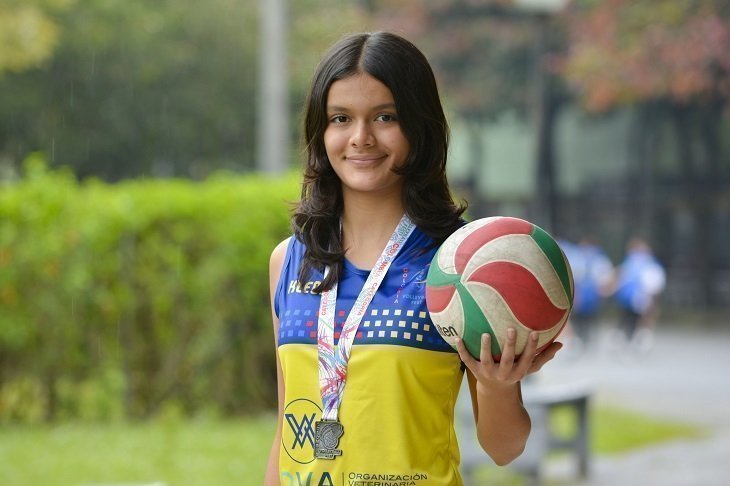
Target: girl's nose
<point x="362" y="135"/>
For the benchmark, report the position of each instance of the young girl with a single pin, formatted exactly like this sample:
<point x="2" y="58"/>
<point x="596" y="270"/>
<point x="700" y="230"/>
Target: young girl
<point x="367" y="386"/>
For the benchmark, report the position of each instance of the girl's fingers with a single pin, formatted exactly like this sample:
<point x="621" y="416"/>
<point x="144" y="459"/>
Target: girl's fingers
<point x="485" y="355"/>
<point x="467" y="358"/>
<point x="527" y="357"/>
<point x="546" y="355"/>
<point x="507" y="360"/>
<point x="507" y="369"/>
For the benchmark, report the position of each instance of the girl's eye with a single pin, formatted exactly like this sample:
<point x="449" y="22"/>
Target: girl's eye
<point x="387" y="117"/>
<point x="338" y="119"/>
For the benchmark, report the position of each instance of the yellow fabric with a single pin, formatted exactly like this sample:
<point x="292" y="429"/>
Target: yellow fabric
<point x="397" y="413"/>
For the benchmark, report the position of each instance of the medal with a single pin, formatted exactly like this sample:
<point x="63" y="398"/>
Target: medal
<point x="333" y="361"/>
<point x="327" y="435"/>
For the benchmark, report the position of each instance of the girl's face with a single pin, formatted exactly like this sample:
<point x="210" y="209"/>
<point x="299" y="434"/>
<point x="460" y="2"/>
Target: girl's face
<point x="363" y="137"/>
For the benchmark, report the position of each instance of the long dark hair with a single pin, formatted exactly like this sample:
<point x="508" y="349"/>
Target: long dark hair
<point x="400" y="66"/>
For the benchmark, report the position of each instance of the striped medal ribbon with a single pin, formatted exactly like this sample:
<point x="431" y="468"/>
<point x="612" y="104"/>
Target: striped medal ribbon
<point x="333" y="360"/>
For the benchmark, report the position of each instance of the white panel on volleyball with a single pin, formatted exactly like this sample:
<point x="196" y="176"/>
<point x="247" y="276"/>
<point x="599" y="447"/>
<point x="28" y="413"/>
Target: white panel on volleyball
<point x="446" y="253"/>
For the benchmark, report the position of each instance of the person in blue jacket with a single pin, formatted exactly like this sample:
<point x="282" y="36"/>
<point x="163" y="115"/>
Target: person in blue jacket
<point x="640" y="281"/>
<point x="593" y="274"/>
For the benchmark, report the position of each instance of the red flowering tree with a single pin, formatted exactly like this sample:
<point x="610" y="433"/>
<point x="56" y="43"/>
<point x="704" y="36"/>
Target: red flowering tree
<point x="633" y="51"/>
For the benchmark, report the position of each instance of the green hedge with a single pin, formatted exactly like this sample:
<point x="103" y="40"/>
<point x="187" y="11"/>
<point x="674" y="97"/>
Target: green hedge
<point x="118" y="299"/>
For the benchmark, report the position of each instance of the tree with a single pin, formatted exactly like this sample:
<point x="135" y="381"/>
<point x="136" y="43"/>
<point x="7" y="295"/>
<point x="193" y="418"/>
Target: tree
<point x="155" y="88"/>
<point x="28" y="33"/>
<point x="631" y="51"/>
<point x="672" y="61"/>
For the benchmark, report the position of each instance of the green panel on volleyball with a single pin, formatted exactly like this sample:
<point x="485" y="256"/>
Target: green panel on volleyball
<point x="553" y="253"/>
<point x="478" y="324"/>
<point x="436" y="277"/>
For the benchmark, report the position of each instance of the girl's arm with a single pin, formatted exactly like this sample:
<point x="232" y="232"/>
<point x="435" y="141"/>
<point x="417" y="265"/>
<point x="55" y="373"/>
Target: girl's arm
<point x="275" y="264"/>
<point x="503" y="424"/>
<point x="272" y="469"/>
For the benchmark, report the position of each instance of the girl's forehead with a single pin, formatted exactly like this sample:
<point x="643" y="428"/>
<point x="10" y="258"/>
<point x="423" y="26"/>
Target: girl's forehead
<point x="359" y="89"/>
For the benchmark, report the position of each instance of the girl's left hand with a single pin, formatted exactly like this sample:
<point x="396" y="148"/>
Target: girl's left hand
<point x="506" y="371"/>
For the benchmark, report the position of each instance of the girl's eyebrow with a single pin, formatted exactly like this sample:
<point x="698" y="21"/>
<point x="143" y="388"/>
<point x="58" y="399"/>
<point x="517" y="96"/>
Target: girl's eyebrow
<point x="384" y="106"/>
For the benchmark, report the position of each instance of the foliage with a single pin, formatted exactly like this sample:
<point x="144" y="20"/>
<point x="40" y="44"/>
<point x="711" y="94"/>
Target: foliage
<point x="148" y="291"/>
<point x="627" y="51"/>
<point x="132" y="87"/>
<point x="154" y="88"/>
<point x="28" y="32"/>
<point x="616" y="51"/>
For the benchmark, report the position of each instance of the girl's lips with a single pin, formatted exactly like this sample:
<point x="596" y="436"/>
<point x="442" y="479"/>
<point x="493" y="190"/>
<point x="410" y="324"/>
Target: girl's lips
<point x="365" y="158"/>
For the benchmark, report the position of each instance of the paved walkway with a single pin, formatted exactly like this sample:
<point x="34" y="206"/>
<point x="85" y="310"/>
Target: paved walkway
<point x="684" y="376"/>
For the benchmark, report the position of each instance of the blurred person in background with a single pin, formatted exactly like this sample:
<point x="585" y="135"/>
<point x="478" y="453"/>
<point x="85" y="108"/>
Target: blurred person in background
<point x="640" y="280"/>
<point x="593" y="274"/>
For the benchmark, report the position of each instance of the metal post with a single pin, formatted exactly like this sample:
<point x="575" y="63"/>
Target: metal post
<point x="273" y="111"/>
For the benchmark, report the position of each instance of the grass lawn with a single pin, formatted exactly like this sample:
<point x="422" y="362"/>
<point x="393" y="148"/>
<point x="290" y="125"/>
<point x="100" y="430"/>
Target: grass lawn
<point x="614" y="430"/>
<point x="176" y="452"/>
<point x="161" y="453"/>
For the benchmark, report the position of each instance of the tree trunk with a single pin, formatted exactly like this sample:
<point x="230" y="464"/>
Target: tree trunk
<point x="698" y="199"/>
<point x="709" y="138"/>
<point x="546" y="110"/>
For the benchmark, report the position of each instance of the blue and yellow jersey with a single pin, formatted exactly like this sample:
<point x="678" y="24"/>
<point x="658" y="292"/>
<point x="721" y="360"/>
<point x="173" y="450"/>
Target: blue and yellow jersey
<point x="402" y="380"/>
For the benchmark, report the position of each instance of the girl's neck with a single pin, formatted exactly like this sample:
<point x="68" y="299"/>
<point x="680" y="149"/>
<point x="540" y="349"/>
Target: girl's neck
<point x="367" y="225"/>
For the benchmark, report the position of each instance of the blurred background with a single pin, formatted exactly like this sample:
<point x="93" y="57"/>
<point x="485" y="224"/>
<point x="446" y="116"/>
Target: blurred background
<point x="149" y="153"/>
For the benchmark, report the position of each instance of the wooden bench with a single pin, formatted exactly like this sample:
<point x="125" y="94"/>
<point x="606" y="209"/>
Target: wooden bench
<point x="540" y="400"/>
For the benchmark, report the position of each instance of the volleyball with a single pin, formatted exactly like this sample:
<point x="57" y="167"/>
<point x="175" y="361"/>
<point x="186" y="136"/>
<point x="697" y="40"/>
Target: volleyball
<point x="496" y="273"/>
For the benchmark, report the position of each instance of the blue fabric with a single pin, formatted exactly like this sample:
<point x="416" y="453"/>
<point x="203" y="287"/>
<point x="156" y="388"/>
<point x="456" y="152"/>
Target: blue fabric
<point x="634" y="289"/>
<point x="397" y="315"/>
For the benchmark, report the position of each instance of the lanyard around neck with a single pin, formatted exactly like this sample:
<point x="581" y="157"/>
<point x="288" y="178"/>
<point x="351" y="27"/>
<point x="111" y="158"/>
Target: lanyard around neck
<point x="333" y="361"/>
